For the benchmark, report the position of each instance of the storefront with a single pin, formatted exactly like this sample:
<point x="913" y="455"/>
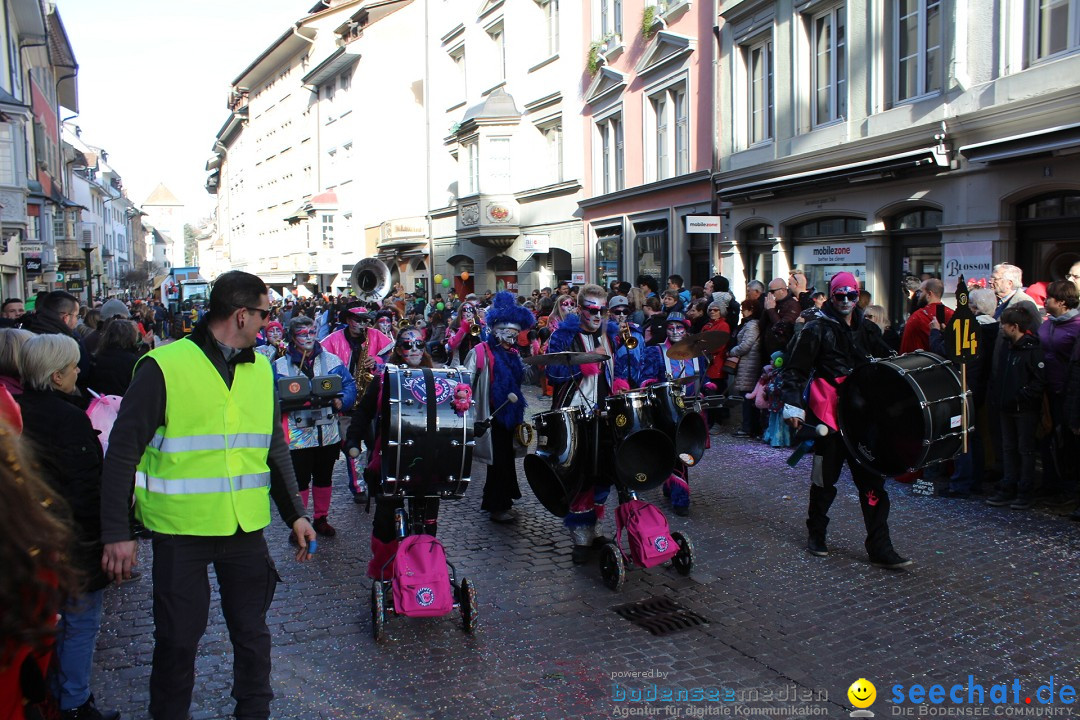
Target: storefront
<point x="826" y="246"/>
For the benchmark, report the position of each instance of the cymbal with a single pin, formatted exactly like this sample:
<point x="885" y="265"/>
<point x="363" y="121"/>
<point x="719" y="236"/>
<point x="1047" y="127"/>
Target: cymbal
<point x="688" y="380"/>
<point x="566" y="358"/>
<point x="693" y="345"/>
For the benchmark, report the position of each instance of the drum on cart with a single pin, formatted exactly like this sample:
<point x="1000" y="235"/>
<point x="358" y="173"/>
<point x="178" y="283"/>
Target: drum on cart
<point x="903" y="413"/>
<point x="642" y="452"/>
<point x="685" y="428"/>
<point x="427" y="444"/>
<point x="556" y="469"/>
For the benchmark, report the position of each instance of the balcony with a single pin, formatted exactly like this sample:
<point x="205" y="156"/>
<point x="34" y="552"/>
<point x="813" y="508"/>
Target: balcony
<point x="491" y="221"/>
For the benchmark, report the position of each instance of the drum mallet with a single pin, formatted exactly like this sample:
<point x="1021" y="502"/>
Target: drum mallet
<point x="807" y="434"/>
<point x="482" y="427"/>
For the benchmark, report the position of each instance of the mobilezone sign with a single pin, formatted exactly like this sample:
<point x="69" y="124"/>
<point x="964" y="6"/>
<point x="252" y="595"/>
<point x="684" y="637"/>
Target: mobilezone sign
<point x="831" y="254"/>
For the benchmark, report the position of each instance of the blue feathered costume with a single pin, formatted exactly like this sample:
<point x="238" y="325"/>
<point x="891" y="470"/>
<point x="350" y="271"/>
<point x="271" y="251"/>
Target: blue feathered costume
<point x="497" y="371"/>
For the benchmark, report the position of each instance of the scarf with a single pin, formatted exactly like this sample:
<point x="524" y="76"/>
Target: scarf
<point x="506" y="373"/>
<point x="305" y="363"/>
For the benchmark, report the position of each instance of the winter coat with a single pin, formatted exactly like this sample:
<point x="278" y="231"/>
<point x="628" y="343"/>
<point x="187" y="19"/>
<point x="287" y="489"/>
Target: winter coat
<point x="716" y="366"/>
<point x="1019" y="380"/>
<point x="112" y="371"/>
<point x="748" y="350"/>
<point x="69" y="455"/>
<point x="377" y="345"/>
<point x="1058" y="339"/>
<point x="326" y="363"/>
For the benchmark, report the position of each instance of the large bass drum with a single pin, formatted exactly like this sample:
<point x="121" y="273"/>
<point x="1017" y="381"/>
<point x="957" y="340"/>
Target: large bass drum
<point x="903" y="413"/>
<point x="426" y="444"/>
<point x="556" y="469"/>
<point x="642" y="453"/>
<point x="686" y="429"/>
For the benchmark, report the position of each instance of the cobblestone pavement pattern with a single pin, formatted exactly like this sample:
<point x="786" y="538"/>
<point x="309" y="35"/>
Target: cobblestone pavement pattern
<point x="993" y="594"/>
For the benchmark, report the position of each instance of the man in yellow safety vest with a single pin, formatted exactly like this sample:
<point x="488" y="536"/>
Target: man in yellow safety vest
<point x="199" y="441"/>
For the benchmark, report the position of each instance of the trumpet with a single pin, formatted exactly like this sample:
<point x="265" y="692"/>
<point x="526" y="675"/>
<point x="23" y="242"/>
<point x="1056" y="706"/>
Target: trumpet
<point x="628" y="340"/>
<point x="474" y="330"/>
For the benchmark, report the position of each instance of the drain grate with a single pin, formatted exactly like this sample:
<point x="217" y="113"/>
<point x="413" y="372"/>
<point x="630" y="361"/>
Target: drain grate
<point x="660" y="615"/>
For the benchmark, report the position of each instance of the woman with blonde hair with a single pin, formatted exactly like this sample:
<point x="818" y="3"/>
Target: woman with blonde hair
<point x="11" y="342"/>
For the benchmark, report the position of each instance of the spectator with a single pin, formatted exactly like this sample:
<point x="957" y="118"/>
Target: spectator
<point x="648" y="285"/>
<point x="671" y="301"/>
<point x="653" y="326"/>
<point x="114" y="362"/>
<point x="781" y="310"/>
<point x="917" y="330"/>
<point x="748" y="351"/>
<point x="675" y="282"/>
<point x="1017" y="390"/>
<point x="755" y="290"/>
<point x="797" y="287"/>
<point x="1058" y="337"/>
<point x="69" y="456"/>
<point x="58" y="313"/>
<point x="876" y="314"/>
<point x="635" y="298"/>
<point x="717" y="322"/>
<point x="11" y="312"/>
<point x="11" y="343"/>
<point x="697" y="315"/>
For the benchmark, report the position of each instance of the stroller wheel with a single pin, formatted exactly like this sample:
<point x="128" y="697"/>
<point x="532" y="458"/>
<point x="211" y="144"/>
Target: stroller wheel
<point x="378" y="611"/>
<point x="469" y="608"/>
<point x="612" y="567"/>
<point x="683" y="562"/>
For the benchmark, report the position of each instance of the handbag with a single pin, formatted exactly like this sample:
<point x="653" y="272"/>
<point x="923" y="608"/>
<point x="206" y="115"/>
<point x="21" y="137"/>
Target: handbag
<point x="731" y="364"/>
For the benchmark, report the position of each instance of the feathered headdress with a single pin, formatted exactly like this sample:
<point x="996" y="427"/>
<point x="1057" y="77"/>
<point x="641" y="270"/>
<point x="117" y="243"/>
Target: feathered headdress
<point x="504" y="309"/>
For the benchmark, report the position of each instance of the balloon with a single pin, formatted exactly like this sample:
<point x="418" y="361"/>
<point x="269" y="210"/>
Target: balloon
<point x="438" y="278"/>
<point x="440" y="306"/>
<point x="464" y="275"/>
<point x="446" y="282"/>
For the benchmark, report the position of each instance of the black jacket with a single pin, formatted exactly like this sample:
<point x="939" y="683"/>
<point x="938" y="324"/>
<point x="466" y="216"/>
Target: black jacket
<point x="1018" y="381"/>
<point x="112" y="371"/>
<point x="830" y="348"/>
<point x="69" y="455"/>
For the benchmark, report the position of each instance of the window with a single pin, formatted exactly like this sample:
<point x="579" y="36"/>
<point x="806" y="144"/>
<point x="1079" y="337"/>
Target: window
<point x="829" y="69"/>
<point x="670" y="151"/>
<point x="7" y="154"/>
<point x="1054" y="205"/>
<point x="610" y="163"/>
<point x="610" y="18"/>
<point x="553" y="139"/>
<point x="457" y="56"/>
<point x="608" y="254"/>
<point x="328" y="232"/>
<point x="497" y="165"/>
<point x="472" y="167"/>
<point x="1054" y="27"/>
<point x="498" y="36"/>
<point x="759" y="91"/>
<point x="551" y="26"/>
<point x="917" y="48"/>
<point x="650" y="248"/>
<point x="58" y="227"/>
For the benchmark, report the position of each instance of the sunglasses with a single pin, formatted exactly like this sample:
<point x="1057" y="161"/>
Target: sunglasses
<point x="411" y="345"/>
<point x="852" y="296"/>
<point x="714" y="310"/>
<point x="262" y="313"/>
<point x="619" y="311"/>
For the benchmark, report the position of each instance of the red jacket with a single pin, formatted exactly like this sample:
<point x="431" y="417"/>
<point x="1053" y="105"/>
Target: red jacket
<point x="917" y="329"/>
<point x="716" y="365"/>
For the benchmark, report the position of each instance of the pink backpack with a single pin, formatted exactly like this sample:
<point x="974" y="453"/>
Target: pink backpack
<point x="647" y="533"/>
<point x="102" y="412"/>
<point x="421" y="582"/>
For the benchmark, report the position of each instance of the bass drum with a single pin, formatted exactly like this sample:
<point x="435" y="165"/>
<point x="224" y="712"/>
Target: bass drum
<point x="686" y="430"/>
<point x="901" y="414"/>
<point x="555" y="470"/>
<point x="642" y="453"/>
<point x="426" y="444"/>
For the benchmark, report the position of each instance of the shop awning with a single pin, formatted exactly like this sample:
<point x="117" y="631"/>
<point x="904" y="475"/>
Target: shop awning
<point x="1060" y="140"/>
<point x="158" y="279"/>
<point x="883" y="168"/>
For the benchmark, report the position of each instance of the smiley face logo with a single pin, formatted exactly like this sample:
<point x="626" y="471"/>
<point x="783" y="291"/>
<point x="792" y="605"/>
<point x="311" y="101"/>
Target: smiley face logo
<point x="862" y="693"/>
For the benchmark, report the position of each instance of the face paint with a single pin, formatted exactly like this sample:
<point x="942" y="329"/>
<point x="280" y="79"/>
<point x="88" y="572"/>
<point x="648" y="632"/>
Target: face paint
<point x="567" y="305"/>
<point x="274" y="335"/>
<point x="357" y="326"/>
<point x="304" y="338"/>
<point x="385" y="325"/>
<point x="506" y="333"/>
<point x="410" y="346"/>
<point x="592" y="313"/>
<point x="843" y="300"/>
<point x="676" y="332"/>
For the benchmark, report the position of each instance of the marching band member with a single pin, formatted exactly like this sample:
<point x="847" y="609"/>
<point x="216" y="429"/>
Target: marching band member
<point x="586" y="385"/>
<point x="628" y="361"/>
<point x="361" y="349"/>
<point x="828" y="349"/>
<point x="497" y="372"/>
<point x="314" y="447"/>
<point x="275" y="343"/>
<point x="462" y="337"/>
<point x="658" y="366"/>
<point x="384" y="323"/>
<point x="408" y="350"/>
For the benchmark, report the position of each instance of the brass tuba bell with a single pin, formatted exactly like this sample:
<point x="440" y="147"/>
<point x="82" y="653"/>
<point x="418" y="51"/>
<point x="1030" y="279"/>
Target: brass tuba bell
<point x="370" y="280"/>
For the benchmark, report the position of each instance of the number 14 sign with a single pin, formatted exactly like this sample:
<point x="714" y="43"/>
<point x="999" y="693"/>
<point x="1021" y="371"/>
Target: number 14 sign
<point x="962" y="332"/>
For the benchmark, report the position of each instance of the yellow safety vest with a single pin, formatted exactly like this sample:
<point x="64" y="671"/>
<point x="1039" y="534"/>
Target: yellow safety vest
<point x="205" y="471"/>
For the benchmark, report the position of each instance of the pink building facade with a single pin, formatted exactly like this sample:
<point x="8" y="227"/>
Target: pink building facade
<point x="650" y="124"/>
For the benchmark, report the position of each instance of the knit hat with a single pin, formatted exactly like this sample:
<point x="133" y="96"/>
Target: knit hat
<point x="112" y="308"/>
<point x="273" y="324"/>
<point x="676" y="317"/>
<point x="843" y="279"/>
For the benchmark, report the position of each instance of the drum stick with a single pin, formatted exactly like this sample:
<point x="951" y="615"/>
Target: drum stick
<point x="481" y="427"/>
<point x="964" y="405"/>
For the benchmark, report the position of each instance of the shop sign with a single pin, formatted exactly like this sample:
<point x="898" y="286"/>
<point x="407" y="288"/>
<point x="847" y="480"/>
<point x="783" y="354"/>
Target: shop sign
<point x="536" y="243"/>
<point x="32" y="264"/>
<point x="403" y="228"/>
<point x="32" y="248"/>
<point x="859" y="271"/>
<point x="577" y="278"/>
<point x="973" y="260"/>
<point x="703" y="224"/>
<point x="845" y="253"/>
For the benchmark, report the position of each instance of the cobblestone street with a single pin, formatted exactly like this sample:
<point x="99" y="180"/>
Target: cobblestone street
<point x="993" y="594"/>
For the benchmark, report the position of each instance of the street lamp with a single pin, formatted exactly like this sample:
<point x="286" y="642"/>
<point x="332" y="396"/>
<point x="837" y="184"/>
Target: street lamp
<point x="88" y="248"/>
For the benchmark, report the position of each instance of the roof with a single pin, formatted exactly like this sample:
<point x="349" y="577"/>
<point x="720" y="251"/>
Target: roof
<point x="162" y="196"/>
<point x="291" y="42"/>
<point x="61" y="55"/>
<point x="496" y="106"/>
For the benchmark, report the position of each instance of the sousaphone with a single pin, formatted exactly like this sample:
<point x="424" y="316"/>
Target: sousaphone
<point x="370" y="280"/>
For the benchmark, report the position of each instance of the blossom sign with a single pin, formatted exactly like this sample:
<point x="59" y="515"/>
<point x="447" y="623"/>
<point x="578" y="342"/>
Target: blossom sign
<point x="972" y="260"/>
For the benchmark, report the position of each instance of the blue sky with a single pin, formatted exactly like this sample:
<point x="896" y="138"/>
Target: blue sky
<point x="153" y="80"/>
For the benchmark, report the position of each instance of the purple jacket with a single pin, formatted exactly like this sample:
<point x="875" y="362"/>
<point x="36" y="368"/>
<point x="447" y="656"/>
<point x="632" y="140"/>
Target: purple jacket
<point x="1058" y="338"/>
